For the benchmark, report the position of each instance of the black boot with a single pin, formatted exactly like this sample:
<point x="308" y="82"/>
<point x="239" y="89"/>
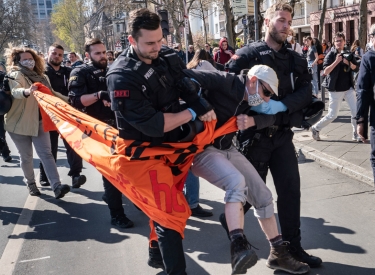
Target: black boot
<point x="300" y="255"/>
<point x="170" y="244"/>
<point x="43" y="181"/>
<point x="78" y="180"/>
<point x="155" y="259"/>
<point x="243" y="257"/>
<point x="200" y="212"/>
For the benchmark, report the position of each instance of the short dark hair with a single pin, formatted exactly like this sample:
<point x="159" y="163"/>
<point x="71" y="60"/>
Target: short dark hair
<point x="340" y="34"/>
<point x="73" y="53"/>
<point x="57" y="46"/>
<point x="143" y="19"/>
<point x="90" y="42"/>
<point x="109" y="51"/>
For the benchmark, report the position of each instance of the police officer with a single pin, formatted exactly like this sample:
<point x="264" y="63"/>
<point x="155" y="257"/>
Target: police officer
<point x="88" y="91"/>
<point x="269" y="143"/>
<point x="59" y="77"/>
<point x="142" y="82"/>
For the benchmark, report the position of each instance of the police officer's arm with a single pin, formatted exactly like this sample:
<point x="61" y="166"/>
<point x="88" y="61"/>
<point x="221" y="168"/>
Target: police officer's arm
<point x="78" y="88"/>
<point x="130" y="104"/>
<point x="365" y="93"/>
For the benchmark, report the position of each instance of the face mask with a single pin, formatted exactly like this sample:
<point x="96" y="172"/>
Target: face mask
<point x="30" y="64"/>
<point x="289" y="38"/>
<point x="255" y="99"/>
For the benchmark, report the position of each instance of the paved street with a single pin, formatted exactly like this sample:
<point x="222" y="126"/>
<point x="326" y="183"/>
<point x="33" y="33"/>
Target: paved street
<point x="74" y="236"/>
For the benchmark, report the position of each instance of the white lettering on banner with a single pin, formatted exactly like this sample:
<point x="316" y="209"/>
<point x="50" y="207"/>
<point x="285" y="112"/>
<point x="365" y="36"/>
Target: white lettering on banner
<point x="62" y="128"/>
<point x="149" y="73"/>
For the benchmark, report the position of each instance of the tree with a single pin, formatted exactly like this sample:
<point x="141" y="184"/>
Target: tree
<point x="231" y="23"/>
<point x="70" y="18"/>
<point x="362" y="32"/>
<point x="322" y="17"/>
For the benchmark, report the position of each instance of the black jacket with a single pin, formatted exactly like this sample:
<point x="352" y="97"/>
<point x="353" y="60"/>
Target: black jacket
<point x="59" y="79"/>
<point x="141" y="93"/>
<point x="330" y="80"/>
<point x="225" y="92"/>
<point x="283" y="62"/>
<point x="366" y="88"/>
<point x="87" y="79"/>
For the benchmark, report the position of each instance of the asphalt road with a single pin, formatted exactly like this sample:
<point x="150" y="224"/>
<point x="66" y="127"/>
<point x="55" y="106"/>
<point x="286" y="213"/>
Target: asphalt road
<point x="74" y="235"/>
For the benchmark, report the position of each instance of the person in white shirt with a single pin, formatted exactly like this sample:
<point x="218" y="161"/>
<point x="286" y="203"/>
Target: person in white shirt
<point x="200" y="61"/>
<point x="295" y="45"/>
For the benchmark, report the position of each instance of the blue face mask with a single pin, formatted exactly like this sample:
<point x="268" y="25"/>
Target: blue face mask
<point x="255" y="99"/>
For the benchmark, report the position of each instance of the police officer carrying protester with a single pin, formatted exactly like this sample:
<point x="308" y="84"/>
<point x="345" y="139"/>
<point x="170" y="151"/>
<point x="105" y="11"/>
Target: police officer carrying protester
<point x="88" y="91"/>
<point x="143" y="86"/>
<point x="269" y="145"/>
<point x="59" y="77"/>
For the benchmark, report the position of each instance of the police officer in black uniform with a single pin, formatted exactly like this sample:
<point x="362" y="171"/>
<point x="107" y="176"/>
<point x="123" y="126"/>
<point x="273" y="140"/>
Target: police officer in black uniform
<point x="59" y="77"/>
<point x="269" y="145"/>
<point x="88" y="91"/>
<point x="143" y="85"/>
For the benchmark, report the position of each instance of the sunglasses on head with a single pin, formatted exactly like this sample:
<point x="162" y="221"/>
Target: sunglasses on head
<point x="266" y="92"/>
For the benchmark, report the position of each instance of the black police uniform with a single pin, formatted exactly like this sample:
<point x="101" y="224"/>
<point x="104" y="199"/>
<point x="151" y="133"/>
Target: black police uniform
<point x="270" y="144"/>
<point x="4" y="149"/>
<point x="87" y="79"/>
<point x="59" y="81"/>
<point x="140" y="94"/>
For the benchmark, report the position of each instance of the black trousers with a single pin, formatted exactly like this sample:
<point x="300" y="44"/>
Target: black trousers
<point x="170" y="244"/>
<point x="4" y="149"/>
<point x="113" y="198"/>
<point x="74" y="160"/>
<point x="277" y="153"/>
<point x="372" y="156"/>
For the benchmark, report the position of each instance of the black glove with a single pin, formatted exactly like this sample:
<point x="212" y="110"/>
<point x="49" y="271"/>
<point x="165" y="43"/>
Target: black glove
<point x="188" y="86"/>
<point x="200" y="106"/>
<point x="104" y="95"/>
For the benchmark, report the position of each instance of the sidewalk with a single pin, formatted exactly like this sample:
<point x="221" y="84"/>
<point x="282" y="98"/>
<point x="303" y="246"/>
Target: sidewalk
<point x="336" y="149"/>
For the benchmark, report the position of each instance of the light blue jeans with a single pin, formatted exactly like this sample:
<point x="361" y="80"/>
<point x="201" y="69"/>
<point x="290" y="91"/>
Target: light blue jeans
<point x="314" y="81"/>
<point x="191" y="190"/>
<point x="232" y="172"/>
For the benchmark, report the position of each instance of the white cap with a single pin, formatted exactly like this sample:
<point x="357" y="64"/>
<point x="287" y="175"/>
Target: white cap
<point x="266" y="74"/>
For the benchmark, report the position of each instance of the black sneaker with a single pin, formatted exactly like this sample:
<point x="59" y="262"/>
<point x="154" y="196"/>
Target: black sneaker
<point x="300" y="255"/>
<point x="43" y="181"/>
<point x="155" y="259"/>
<point x="243" y="257"/>
<point x="7" y="158"/>
<point x="33" y="189"/>
<point x="200" y="212"/>
<point x="223" y="222"/>
<point x="281" y="259"/>
<point x="77" y="181"/>
<point x="61" y="190"/>
<point x="122" y="221"/>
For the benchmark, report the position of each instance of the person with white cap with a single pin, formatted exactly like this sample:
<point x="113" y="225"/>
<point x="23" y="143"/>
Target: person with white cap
<point x="224" y="166"/>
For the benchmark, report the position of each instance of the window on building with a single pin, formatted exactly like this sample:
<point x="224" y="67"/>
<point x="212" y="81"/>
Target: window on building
<point x="215" y="11"/>
<point x="302" y="10"/>
<point x="49" y="4"/>
<point x="118" y="28"/>
<point x="222" y="28"/>
<point x="49" y="12"/>
<point x="320" y="3"/>
<point x="342" y="2"/>
<point x="216" y="28"/>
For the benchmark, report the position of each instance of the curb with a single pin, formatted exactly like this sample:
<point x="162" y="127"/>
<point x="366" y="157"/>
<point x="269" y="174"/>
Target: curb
<point x="342" y="166"/>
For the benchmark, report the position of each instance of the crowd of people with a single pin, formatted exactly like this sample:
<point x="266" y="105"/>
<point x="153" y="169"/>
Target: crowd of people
<point x="138" y="92"/>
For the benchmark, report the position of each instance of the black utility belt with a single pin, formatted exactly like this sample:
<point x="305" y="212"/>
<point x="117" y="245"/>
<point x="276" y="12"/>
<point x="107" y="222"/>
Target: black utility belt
<point x="271" y="130"/>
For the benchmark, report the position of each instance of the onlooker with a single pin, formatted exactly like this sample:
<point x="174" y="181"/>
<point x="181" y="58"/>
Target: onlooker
<point x="59" y="77"/>
<point x="200" y="61"/>
<point x="328" y="48"/>
<point x="191" y="53"/>
<point x="339" y="83"/>
<point x="312" y="60"/>
<point x="366" y="98"/>
<point x="319" y="49"/>
<point x="68" y="64"/>
<point x="347" y="46"/>
<point x="224" y="54"/>
<point x="305" y="47"/>
<point x="110" y="58"/>
<point x="229" y="47"/>
<point x="324" y="45"/>
<point x="215" y="50"/>
<point x="294" y="44"/>
<point x="208" y="49"/>
<point x="117" y="54"/>
<point x="4" y="149"/>
<point x="356" y="48"/>
<point x="74" y="59"/>
<point x="181" y="54"/>
<point x="23" y="121"/>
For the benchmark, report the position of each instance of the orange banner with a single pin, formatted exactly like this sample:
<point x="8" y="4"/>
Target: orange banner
<point x="152" y="177"/>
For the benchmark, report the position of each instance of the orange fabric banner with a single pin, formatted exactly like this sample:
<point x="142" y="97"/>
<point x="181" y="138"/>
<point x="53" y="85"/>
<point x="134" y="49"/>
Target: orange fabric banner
<point x="152" y="177"/>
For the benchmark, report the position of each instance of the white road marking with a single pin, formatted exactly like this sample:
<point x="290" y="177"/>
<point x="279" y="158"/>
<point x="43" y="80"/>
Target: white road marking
<point x="31" y="260"/>
<point x="42" y="224"/>
<point x="12" y="250"/>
